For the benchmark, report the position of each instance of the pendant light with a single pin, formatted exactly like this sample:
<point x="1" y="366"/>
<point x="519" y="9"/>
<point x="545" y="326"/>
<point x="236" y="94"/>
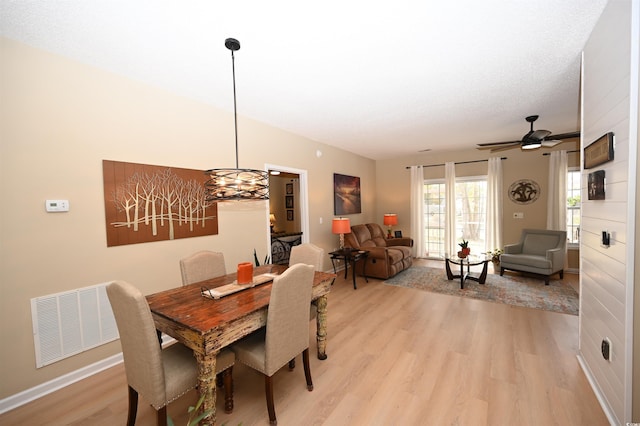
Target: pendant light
<point x="236" y="184"/>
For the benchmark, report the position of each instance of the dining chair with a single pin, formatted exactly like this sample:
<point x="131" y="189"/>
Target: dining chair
<point x="159" y="375"/>
<point x="201" y="266"/>
<point x="286" y="334"/>
<point x="307" y="253"/>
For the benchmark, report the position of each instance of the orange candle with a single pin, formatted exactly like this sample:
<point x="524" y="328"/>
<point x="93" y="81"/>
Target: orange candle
<point x="245" y="272"/>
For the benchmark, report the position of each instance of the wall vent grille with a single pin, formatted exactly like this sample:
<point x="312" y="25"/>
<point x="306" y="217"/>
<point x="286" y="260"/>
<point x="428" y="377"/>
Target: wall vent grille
<point x="67" y="323"/>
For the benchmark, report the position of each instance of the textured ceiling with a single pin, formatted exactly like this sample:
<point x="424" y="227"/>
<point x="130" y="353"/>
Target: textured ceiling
<point x="381" y="79"/>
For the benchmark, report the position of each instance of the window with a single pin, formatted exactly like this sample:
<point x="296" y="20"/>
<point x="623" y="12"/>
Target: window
<point x="573" y="206"/>
<point x="471" y="200"/>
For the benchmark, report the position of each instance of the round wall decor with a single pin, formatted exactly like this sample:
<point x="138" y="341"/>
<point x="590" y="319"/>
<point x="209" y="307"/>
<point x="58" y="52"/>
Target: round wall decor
<point x="524" y="191"/>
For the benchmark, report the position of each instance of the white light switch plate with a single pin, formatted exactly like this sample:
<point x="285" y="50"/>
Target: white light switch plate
<point x="53" y="206"/>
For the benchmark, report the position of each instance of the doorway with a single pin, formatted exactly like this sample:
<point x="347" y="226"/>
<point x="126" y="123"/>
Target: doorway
<point x="288" y="210"/>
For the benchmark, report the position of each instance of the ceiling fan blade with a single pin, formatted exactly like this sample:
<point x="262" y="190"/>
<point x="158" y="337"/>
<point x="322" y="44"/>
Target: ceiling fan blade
<point x="537" y="135"/>
<point x="551" y="143"/>
<point x="569" y="135"/>
<point x="504" y="148"/>
<point x="491" y="144"/>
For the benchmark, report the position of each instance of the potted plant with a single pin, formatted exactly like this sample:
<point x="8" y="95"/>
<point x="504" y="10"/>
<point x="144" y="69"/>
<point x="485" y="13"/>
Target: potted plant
<point x="464" y="245"/>
<point x="495" y="257"/>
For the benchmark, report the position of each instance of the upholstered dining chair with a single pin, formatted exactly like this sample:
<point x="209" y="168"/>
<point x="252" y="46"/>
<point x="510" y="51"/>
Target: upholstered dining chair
<point x="201" y="266"/>
<point x="287" y="331"/>
<point x="307" y="253"/>
<point x="159" y="375"/>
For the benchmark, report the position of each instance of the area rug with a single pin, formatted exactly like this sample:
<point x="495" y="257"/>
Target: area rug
<point x="513" y="290"/>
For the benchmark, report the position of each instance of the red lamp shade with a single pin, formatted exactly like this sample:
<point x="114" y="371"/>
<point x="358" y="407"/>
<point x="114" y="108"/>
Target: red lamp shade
<point x="341" y="225"/>
<point x="390" y="219"/>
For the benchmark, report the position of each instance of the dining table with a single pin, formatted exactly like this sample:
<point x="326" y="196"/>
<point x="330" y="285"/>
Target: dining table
<point x="206" y="325"/>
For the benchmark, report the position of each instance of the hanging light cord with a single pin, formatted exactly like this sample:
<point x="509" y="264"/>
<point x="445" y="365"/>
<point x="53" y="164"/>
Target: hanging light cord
<point x="235" y="112"/>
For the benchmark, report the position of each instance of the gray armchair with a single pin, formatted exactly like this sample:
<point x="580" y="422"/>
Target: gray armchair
<point x="539" y="251"/>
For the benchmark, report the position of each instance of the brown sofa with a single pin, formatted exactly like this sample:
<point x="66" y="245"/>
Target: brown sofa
<point x="386" y="257"/>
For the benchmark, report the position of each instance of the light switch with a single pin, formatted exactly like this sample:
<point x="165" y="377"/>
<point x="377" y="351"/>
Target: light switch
<point x="54" y="206"/>
<point x="518" y="215"/>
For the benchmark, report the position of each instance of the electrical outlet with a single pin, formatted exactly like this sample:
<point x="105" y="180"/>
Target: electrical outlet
<point x="518" y="215"/>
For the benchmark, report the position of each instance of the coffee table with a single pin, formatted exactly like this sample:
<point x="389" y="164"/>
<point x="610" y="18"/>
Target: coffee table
<point x="468" y="261"/>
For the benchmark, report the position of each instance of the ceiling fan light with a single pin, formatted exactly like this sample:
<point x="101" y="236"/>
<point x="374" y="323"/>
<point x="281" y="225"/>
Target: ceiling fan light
<point x="531" y="145"/>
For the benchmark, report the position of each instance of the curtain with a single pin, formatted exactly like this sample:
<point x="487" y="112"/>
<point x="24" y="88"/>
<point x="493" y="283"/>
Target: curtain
<point x="417" y="211"/>
<point x="450" y="206"/>
<point x="493" y="238"/>
<point x="557" y="198"/>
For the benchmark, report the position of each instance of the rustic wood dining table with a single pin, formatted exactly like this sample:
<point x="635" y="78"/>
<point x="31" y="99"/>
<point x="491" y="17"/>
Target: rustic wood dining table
<point x="207" y="325"/>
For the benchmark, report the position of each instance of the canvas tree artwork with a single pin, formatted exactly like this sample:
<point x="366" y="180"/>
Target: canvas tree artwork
<point x="145" y="203"/>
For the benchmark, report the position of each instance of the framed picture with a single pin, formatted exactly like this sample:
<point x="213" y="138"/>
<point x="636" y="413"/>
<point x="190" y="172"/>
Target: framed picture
<point x="288" y="201"/>
<point x="346" y="195"/>
<point x="595" y="185"/>
<point x="289" y="188"/>
<point x="397" y="234"/>
<point x="289" y="215"/>
<point x="599" y="152"/>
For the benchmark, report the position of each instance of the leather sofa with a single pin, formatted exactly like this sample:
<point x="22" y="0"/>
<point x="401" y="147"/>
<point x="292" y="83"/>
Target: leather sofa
<point x="540" y="251"/>
<point x="386" y="257"/>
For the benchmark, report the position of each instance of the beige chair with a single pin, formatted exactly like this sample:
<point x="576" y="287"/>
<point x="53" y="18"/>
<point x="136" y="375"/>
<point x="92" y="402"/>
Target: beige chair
<point x="159" y="375"/>
<point x="307" y="253"/>
<point x="201" y="266"/>
<point x="287" y="332"/>
<point x="540" y="251"/>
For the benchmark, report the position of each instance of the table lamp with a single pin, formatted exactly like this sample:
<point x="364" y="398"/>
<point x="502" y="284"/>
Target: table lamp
<point x="341" y="226"/>
<point x="389" y="220"/>
<point x="272" y="221"/>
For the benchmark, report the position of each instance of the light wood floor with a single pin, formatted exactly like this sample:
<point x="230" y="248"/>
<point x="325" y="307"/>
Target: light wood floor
<point x="396" y="356"/>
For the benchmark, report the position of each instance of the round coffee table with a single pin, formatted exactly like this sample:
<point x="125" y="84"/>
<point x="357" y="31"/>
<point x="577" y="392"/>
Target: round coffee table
<point x="468" y="261"/>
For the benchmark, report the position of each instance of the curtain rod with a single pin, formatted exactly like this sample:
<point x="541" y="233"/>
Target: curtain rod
<point x="568" y="152"/>
<point x="460" y="162"/>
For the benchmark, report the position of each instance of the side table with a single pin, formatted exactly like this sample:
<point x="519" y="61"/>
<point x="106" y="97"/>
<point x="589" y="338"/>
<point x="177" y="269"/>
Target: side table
<point x="350" y="256"/>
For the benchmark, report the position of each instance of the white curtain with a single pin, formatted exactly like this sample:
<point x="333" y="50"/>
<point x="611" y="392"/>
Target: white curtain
<point x="493" y="238"/>
<point x="557" y="199"/>
<point x="417" y="211"/>
<point x="450" y="214"/>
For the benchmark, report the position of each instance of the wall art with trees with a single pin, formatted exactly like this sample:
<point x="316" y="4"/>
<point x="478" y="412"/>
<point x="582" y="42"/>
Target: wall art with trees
<point x="145" y="203"/>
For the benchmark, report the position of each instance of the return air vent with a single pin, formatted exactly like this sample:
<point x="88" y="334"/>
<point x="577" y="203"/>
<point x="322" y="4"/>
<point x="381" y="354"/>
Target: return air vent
<point x="71" y="322"/>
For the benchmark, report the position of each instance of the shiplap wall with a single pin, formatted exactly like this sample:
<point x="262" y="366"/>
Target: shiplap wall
<point x="605" y="278"/>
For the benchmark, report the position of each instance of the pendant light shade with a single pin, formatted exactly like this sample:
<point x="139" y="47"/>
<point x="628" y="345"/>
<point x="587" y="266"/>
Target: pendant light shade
<point x="236" y="184"/>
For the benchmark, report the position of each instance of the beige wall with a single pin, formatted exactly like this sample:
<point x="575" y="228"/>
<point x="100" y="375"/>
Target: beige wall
<point x="59" y="119"/>
<point x="394" y="181"/>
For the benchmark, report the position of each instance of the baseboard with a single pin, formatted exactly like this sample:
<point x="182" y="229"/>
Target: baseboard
<point x="51" y="386"/>
<point x="596" y="390"/>
<point x="26" y="396"/>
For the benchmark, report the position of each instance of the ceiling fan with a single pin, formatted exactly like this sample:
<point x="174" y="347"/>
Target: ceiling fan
<point x="532" y="140"/>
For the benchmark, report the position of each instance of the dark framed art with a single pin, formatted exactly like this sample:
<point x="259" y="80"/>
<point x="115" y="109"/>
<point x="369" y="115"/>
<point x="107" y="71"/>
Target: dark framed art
<point x="346" y="195"/>
<point x="288" y="201"/>
<point x="397" y="234"/>
<point x="289" y="215"/>
<point x="599" y="152"/>
<point x="289" y="188"/>
<point x="595" y="185"/>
